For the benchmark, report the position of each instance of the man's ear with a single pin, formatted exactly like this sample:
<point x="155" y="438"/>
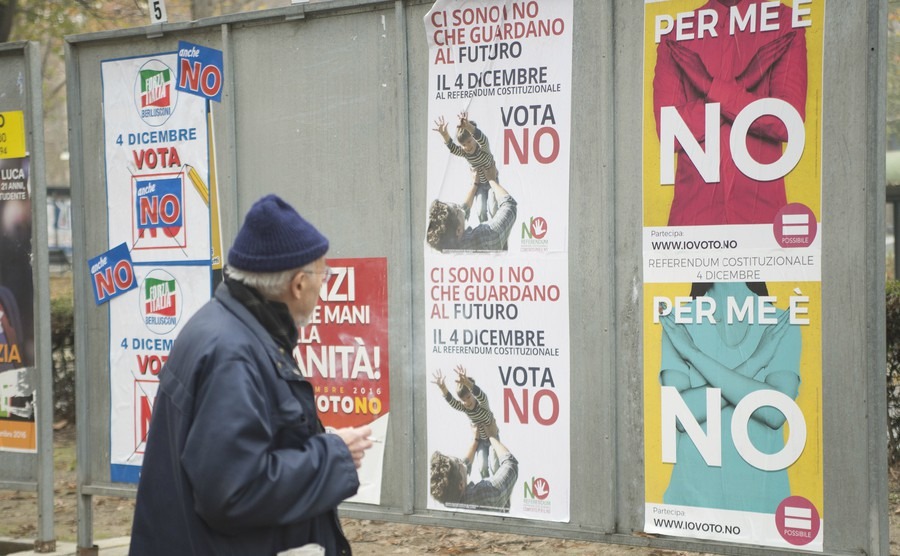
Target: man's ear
<point x="298" y="282"/>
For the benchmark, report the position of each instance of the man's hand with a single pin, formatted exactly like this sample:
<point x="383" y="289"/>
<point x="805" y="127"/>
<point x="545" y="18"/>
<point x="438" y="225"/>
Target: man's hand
<point x="357" y="441"/>
<point x="491" y="173"/>
<point x="498" y="446"/>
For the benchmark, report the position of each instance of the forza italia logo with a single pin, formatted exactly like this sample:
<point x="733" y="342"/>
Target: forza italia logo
<point x="154" y="92"/>
<point x="160" y="301"/>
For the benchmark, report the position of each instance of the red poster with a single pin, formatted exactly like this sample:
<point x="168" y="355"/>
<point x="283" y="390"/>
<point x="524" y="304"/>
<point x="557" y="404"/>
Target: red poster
<point x="343" y="351"/>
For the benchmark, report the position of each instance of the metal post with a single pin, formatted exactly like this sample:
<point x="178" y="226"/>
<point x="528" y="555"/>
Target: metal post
<point x="46" y="541"/>
<point x="82" y="374"/>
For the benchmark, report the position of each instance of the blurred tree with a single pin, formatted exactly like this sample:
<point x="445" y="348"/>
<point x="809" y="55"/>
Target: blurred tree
<point x="50" y="21"/>
<point x="7" y="11"/>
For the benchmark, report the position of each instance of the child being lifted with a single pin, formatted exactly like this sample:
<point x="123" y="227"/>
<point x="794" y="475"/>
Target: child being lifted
<point x="474" y="404"/>
<point x="474" y="147"/>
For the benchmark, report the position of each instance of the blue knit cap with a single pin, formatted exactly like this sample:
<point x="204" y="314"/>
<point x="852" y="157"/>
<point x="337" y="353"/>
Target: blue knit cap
<point x="274" y="237"/>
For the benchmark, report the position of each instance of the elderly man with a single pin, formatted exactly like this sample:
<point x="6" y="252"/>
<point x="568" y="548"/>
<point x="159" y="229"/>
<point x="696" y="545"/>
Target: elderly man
<point x="237" y="461"/>
<point x="450" y="485"/>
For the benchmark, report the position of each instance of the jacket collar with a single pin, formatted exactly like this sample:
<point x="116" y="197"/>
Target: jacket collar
<point x="272" y="315"/>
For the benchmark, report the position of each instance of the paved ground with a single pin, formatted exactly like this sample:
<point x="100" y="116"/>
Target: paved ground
<point x="112" y="522"/>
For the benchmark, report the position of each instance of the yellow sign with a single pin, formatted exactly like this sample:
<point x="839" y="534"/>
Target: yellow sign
<point x="12" y="134"/>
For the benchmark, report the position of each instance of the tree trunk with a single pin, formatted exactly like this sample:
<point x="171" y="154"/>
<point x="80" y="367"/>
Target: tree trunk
<point x="7" y="14"/>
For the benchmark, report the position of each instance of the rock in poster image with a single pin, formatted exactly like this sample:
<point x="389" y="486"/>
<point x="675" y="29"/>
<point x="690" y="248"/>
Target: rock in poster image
<point x="732" y="420"/>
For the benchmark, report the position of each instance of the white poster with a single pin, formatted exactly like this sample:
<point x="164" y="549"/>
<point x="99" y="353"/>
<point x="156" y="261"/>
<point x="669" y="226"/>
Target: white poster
<point x="158" y="203"/>
<point x="157" y="161"/>
<point x="496" y="261"/>
<point x="144" y="323"/>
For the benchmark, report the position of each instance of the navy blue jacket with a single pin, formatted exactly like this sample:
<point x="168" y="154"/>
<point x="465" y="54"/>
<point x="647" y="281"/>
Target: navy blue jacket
<point x="236" y="461"/>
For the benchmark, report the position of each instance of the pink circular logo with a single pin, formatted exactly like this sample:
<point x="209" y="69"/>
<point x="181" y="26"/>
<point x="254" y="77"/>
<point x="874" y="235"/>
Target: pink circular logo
<point x="795" y="226"/>
<point x="538" y="227"/>
<point x="797" y="520"/>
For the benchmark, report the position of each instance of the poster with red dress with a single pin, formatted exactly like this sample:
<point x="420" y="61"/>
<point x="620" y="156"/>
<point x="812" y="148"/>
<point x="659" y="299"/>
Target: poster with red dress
<point x="732" y="253"/>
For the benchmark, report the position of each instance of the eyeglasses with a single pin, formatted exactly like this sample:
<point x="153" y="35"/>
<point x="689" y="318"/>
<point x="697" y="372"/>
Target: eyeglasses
<point x="326" y="273"/>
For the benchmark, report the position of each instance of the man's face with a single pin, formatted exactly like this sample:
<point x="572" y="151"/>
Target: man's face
<point x="305" y="288"/>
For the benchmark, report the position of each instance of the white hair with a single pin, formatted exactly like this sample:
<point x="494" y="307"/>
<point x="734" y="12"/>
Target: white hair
<point x="270" y="284"/>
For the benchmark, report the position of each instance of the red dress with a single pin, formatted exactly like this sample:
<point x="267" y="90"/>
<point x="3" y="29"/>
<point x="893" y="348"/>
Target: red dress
<point x="736" y="198"/>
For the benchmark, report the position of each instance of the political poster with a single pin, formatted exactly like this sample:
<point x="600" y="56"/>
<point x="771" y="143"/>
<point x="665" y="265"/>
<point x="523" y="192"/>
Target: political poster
<point x="343" y="352"/>
<point x="157" y="160"/>
<point x="157" y="157"/>
<point x="144" y="323"/>
<point x="18" y="377"/>
<point x="732" y="256"/>
<point x="496" y="257"/>
<point x="732" y="420"/>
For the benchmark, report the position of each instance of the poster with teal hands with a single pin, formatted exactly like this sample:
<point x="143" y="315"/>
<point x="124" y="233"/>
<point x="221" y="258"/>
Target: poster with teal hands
<point x="732" y="395"/>
<point x="732" y="255"/>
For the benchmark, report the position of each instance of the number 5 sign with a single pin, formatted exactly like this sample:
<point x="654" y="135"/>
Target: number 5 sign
<point x="157" y="11"/>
